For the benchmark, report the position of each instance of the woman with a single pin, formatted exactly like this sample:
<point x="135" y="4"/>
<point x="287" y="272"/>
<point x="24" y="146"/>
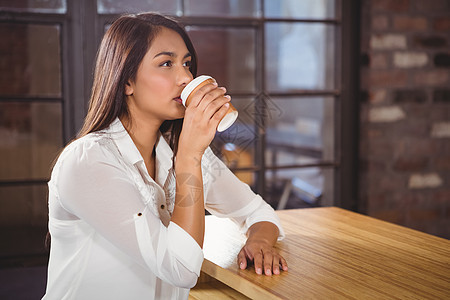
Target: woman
<point x="127" y="197"/>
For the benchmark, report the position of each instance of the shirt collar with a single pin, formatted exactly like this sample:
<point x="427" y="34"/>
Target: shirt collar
<point x="163" y="160"/>
<point x="132" y="155"/>
<point x="124" y="142"/>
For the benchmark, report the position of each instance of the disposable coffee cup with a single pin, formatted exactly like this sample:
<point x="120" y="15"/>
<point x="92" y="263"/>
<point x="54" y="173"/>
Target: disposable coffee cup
<point x="197" y="83"/>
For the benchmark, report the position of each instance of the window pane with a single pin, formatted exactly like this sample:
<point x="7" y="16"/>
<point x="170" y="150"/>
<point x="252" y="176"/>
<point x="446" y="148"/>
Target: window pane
<point x="299" y="56"/>
<point x="23" y="222"/>
<point x="34" y="6"/>
<point x="23" y="205"/>
<point x="137" y="6"/>
<point x="30" y="60"/>
<point x="247" y="8"/>
<point x="299" y="188"/>
<point x="30" y="138"/>
<point x="246" y="177"/>
<point x="299" y="131"/>
<point x="304" y="9"/>
<point x="226" y="54"/>
<point x="235" y="146"/>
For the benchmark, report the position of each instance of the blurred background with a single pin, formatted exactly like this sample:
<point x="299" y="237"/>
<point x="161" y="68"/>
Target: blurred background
<point x="341" y="103"/>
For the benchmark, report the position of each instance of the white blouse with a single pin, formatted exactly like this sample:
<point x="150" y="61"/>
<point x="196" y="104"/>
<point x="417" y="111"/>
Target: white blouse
<point x="112" y="237"/>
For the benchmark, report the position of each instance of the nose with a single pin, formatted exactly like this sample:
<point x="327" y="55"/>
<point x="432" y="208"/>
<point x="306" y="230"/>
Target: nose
<point x="184" y="77"/>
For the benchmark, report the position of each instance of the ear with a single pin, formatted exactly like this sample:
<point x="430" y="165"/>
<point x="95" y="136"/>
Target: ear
<point x="128" y="89"/>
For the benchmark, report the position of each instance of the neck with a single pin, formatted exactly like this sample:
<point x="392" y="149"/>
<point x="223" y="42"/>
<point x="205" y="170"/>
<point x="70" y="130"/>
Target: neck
<point x="143" y="133"/>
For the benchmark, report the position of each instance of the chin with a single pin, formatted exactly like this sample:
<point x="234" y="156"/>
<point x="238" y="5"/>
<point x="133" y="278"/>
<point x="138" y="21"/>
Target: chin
<point x="175" y="116"/>
<point x="180" y="113"/>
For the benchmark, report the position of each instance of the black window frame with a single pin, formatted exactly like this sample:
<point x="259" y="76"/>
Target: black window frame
<point x="82" y="29"/>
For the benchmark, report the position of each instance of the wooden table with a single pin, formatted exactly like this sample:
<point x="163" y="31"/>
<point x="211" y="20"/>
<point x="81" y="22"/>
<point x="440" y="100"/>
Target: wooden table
<point x="334" y="253"/>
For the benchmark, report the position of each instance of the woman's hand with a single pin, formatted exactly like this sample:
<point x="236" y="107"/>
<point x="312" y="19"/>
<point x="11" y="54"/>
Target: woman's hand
<point x="264" y="256"/>
<point x="207" y="107"/>
<point x="259" y="249"/>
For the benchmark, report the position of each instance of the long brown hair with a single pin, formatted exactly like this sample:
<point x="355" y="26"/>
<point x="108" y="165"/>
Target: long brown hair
<point x="121" y="51"/>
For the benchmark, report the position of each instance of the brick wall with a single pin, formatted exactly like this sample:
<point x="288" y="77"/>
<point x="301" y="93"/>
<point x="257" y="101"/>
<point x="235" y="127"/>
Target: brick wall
<point x="405" y="113"/>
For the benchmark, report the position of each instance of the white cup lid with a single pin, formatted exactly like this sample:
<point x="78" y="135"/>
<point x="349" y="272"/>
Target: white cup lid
<point x="191" y="86"/>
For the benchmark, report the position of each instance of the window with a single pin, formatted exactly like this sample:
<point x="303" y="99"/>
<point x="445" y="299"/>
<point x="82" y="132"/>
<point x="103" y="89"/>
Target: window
<point x="31" y="118"/>
<point x="281" y="61"/>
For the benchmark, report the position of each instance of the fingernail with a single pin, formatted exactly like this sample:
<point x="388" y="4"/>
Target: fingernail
<point x="228" y="97"/>
<point x="227" y="105"/>
<point x="258" y="271"/>
<point x="276" y="271"/>
<point x="268" y="273"/>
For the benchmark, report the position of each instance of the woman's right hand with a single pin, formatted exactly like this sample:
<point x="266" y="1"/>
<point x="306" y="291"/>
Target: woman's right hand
<point x="208" y="106"/>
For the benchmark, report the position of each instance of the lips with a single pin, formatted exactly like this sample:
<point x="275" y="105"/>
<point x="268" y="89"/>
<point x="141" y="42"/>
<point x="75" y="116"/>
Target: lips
<point x="178" y="99"/>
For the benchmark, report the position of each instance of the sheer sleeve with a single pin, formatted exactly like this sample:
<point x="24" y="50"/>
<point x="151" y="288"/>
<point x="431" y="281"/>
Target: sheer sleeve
<point x="229" y="197"/>
<point x="94" y="186"/>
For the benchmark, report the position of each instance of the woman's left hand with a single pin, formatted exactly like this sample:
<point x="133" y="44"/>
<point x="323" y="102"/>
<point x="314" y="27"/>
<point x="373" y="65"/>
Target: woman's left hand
<point x="264" y="256"/>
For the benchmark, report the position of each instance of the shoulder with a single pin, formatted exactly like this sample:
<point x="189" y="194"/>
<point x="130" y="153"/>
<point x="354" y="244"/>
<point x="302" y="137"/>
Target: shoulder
<point x="87" y="150"/>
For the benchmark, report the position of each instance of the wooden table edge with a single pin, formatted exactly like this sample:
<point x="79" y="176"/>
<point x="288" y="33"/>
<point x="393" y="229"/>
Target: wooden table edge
<point x="236" y="282"/>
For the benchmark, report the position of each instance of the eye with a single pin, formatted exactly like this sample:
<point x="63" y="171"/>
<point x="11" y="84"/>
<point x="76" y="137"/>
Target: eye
<point x="187" y="63"/>
<point x="166" y="64"/>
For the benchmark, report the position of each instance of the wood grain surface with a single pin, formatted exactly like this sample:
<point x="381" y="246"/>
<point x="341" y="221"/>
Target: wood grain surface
<point x="335" y="254"/>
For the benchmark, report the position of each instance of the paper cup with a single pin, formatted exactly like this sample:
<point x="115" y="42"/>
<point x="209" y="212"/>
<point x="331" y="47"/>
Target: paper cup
<point x="197" y="83"/>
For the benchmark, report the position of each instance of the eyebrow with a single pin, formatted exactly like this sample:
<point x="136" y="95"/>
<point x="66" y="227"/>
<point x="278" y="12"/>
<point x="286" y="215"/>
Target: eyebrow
<point x="172" y="54"/>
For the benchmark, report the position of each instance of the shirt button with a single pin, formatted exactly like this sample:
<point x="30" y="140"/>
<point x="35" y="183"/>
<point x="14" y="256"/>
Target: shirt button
<point x="163" y="206"/>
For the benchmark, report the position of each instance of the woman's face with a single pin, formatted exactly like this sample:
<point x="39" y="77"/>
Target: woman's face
<point x="162" y="74"/>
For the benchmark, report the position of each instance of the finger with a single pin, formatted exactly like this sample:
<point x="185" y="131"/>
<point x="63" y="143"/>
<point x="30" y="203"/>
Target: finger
<point x="201" y="92"/>
<point x="218" y="109"/>
<point x="209" y="97"/>
<point x="210" y="100"/>
<point x="258" y="260"/>
<point x="248" y="253"/>
<point x="242" y="261"/>
<point x="268" y="262"/>
<point x="215" y="104"/>
<point x="218" y="116"/>
<point x="276" y="264"/>
<point x="283" y="264"/>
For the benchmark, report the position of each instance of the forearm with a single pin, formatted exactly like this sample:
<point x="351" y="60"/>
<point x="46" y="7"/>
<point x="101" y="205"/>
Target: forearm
<point x="189" y="210"/>
<point x="263" y="231"/>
